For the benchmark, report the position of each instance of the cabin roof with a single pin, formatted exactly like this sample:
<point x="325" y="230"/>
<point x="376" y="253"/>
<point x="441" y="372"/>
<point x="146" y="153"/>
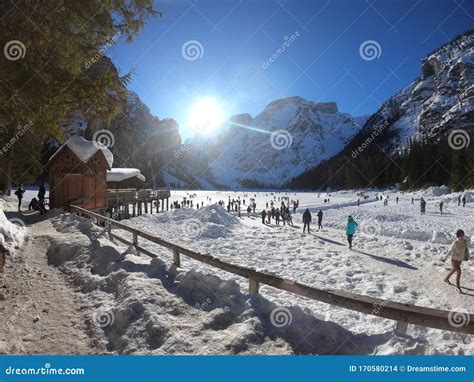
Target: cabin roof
<point x="121" y="174"/>
<point x="85" y="150"/>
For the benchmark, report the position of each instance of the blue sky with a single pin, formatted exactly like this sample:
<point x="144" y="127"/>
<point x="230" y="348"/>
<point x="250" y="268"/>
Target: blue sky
<point x="322" y="62"/>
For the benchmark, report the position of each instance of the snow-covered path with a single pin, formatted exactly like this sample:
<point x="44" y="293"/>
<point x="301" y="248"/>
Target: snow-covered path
<point x="41" y="313"/>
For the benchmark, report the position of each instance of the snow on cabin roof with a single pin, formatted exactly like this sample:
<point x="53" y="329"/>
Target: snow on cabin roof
<point x="85" y="149"/>
<point x="120" y="174"/>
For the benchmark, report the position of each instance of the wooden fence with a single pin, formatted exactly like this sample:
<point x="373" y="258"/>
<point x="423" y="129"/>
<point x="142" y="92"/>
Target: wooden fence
<point x="404" y="314"/>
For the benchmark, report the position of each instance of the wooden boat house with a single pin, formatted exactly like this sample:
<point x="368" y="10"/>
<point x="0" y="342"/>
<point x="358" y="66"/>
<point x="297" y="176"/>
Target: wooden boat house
<point x="78" y="174"/>
<point x="81" y="174"/>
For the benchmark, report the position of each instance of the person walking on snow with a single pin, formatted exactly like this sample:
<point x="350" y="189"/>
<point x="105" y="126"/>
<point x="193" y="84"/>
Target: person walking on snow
<point x="19" y="194"/>
<point x="306" y="220"/>
<point x="350" y="229"/>
<point x="459" y="252"/>
<point x="464" y="201"/>
<point x="320" y="219"/>
<point x="422" y="206"/>
<point x="264" y="215"/>
<point x="441" y="207"/>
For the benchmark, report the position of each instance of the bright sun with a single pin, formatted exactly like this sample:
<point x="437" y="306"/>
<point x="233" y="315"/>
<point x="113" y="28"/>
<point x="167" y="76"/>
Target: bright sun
<point x="206" y="115"/>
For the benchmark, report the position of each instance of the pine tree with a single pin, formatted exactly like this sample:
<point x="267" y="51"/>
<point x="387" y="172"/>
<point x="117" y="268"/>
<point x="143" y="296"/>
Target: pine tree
<point x="51" y="72"/>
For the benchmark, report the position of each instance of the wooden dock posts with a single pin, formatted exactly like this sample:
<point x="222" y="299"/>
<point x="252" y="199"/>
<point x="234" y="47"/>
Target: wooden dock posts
<point x="403" y="313"/>
<point x="120" y="202"/>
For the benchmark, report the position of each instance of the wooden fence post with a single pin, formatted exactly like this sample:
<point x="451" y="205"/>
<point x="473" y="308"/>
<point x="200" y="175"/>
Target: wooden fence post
<point x="109" y="230"/>
<point x="401" y="327"/>
<point x="254" y="286"/>
<point x="135" y="241"/>
<point x="176" y="258"/>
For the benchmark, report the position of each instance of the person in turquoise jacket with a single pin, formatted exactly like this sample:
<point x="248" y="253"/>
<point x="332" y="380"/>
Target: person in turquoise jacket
<point x="350" y="229"/>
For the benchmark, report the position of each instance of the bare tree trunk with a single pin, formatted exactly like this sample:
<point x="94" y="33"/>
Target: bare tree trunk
<point x="7" y="188"/>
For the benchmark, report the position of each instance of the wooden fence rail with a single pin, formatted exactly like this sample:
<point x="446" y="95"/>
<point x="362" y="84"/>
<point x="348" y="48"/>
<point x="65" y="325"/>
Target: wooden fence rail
<point x="404" y="314"/>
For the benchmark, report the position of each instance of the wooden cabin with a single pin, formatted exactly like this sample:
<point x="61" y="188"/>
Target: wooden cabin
<point x="78" y="174"/>
<point x="125" y="178"/>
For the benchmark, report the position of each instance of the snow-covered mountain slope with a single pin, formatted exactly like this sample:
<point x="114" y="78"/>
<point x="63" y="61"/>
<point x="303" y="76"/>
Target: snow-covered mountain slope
<point x="440" y="100"/>
<point x="288" y="137"/>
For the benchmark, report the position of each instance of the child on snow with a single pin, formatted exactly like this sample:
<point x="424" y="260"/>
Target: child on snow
<point x="459" y="252"/>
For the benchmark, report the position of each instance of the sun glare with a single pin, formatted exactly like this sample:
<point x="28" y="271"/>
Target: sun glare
<point x="206" y="115"/>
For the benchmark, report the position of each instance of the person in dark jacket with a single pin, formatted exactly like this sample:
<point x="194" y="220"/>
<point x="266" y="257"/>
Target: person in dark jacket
<point x="41" y="193"/>
<point x="264" y="215"/>
<point x="320" y="219"/>
<point x="19" y="194"/>
<point x="306" y="220"/>
<point x="422" y="206"/>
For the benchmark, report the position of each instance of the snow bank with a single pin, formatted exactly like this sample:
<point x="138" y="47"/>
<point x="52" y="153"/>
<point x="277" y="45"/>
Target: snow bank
<point x="12" y="232"/>
<point x="435" y="191"/>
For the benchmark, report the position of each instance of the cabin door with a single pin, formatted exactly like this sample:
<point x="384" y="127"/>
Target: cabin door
<point x="73" y="189"/>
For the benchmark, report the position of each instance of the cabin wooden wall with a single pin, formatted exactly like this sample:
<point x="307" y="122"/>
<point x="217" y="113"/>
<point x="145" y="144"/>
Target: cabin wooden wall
<point x="72" y="181"/>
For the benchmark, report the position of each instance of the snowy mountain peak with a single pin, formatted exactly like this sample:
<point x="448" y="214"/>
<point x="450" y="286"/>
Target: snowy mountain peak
<point x="287" y="138"/>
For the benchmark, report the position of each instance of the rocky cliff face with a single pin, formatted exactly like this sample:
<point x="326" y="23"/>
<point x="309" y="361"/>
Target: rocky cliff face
<point x="440" y="100"/>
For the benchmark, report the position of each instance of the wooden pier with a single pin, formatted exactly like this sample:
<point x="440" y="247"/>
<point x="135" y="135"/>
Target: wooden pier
<point x="127" y="203"/>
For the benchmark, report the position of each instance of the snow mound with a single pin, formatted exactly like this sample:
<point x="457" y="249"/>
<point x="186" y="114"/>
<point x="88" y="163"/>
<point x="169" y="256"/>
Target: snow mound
<point x="12" y="233"/>
<point x="435" y="191"/>
<point x="215" y="214"/>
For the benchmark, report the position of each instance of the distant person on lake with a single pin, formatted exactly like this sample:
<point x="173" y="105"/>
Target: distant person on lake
<point x="306" y="220"/>
<point x="264" y="215"/>
<point x="441" y="207"/>
<point x="422" y="206"/>
<point x="320" y="219"/>
<point x="459" y="252"/>
<point x="350" y="229"/>
<point x="464" y="201"/>
<point x="19" y="194"/>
